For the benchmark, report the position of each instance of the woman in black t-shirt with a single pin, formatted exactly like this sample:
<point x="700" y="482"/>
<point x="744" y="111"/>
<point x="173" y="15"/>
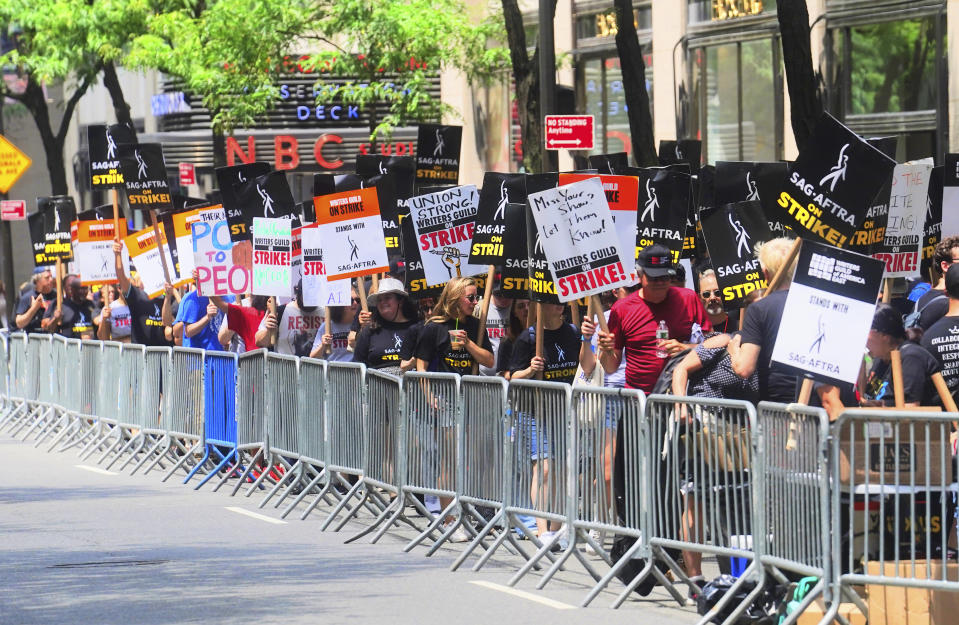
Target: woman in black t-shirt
<point x="518" y="316"/>
<point x="918" y="365"/>
<point x="447" y="341"/>
<point x="390" y="338"/>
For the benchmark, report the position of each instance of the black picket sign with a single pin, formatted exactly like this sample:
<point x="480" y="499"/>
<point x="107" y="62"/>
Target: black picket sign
<point x="144" y="176"/>
<point x="227" y="178"/>
<point x="50" y="229"/>
<point x="664" y="200"/>
<point x="731" y="233"/>
<point x="932" y="230"/>
<point x="104" y="158"/>
<point x="514" y="272"/>
<point x="687" y="151"/>
<point x="608" y="163"/>
<point x="542" y="289"/>
<point x="498" y="193"/>
<point x="268" y="195"/>
<point x="437" y="155"/>
<point x="744" y="181"/>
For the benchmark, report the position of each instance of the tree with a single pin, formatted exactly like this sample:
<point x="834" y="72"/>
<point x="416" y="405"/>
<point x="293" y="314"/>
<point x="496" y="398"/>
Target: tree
<point x="414" y="39"/>
<point x="805" y="96"/>
<point x="526" y="82"/>
<point x="634" y="86"/>
<point x="226" y="52"/>
<point x="50" y="45"/>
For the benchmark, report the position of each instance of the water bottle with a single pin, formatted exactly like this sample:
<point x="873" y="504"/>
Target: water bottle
<point x="662" y="333"/>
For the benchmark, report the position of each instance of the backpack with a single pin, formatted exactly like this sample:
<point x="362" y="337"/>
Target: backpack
<point x="912" y="319"/>
<point x="664" y="383"/>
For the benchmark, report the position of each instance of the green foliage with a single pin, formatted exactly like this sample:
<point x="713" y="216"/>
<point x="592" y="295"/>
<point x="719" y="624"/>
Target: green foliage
<point x="413" y="38"/>
<point x="225" y="51"/>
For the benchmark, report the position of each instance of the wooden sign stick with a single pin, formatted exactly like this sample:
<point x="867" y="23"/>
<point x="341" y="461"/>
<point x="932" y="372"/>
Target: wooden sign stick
<point x="898" y="391"/>
<point x="886" y="290"/>
<point x="484" y="311"/>
<point x="574" y="313"/>
<point x="361" y="289"/>
<point x="271" y="306"/>
<point x="805" y="392"/>
<point x="597" y="306"/>
<point x="156" y="235"/>
<point x="329" y="324"/>
<point x="59" y="266"/>
<point x="539" y="335"/>
<point x="116" y="212"/>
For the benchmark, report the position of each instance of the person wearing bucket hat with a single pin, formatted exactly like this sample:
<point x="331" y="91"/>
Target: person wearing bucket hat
<point x="389" y="339"/>
<point x="887" y="334"/>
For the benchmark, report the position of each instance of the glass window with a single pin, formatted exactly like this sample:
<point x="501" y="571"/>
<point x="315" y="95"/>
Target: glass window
<point x="722" y="103"/>
<point x="604" y="97"/>
<point x="721" y="10"/>
<point x="759" y="101"/>
<point x="594" y="100"/>
<point x="893" y="67"/>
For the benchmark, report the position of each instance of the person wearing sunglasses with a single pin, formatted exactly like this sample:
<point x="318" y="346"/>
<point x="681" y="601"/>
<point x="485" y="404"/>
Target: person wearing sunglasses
<point x="713" y="302"/>
<point x="332" y="339"/>
<point x="448" y="342"/>
<point x="387" y="341"/>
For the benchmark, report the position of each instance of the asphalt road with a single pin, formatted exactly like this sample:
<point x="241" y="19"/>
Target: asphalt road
<point x="83" y="546"/>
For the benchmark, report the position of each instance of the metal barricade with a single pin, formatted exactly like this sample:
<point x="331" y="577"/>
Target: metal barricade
<point x="148" y="413"/>
<point x="130" y="360"/>
<point x="311" y="429"/>
<point x="541" y="440"/>
<point x="30" y="385"/>
<point x="700" y="461"/>
<point x="15" y="407"/>
<point x="282" y="407"/>
<point x="66" y="372"/>
<point x="109" y="436"/>
<point x="791" y="495"/>
<point x="250" y="418"/>
<point x="183" y="408"/>
<point x="432" y="407"/>
<point x="219" y="414"/>
<point x="345" y="435"/>
<point x="900" y="466"/>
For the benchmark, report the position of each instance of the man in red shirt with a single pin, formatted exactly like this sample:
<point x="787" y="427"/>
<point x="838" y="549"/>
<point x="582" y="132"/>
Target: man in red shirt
<point x="633" y="322"/>
<point x="244" y="320"/>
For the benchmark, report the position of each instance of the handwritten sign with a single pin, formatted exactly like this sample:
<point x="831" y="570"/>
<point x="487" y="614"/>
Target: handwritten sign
<point x="444" y="222"/>
<point x="93" y="251"/>
<point x="622" y="195"/>
<point x="900" y="249"/>
<point x="183" y="240"/>
<point x="217" y="274"/>
<point x="575" y="228"/>
<point x="351" y="232"/>
<point x="272" y="250"/>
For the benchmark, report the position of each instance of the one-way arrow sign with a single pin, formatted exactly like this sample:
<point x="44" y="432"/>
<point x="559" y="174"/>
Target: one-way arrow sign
<point x="569" y="131"/>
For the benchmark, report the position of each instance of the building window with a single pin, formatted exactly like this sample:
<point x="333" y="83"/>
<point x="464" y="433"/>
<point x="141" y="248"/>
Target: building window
<point x="736" y="100"/>
<point x="603" y="96"/>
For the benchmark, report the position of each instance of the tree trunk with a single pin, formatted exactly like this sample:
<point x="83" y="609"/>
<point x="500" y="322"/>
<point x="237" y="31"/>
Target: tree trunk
<point x="219" y="148"/>
<point x="804" y="94"/>
<point x="634" y="86"/>
<point x="36" y="102"/>
<point x="120" y="107"/>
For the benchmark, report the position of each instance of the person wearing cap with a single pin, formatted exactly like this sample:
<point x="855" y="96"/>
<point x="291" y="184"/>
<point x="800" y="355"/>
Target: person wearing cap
<point x="332" y="340"/>
<point x="389" y="339"/>
<point x="34" y="303"/>
<point x="887" y="334"/>
<point x="295" y="323"/>
<point x="942" y="338"/>
<point x="634" y="320"/>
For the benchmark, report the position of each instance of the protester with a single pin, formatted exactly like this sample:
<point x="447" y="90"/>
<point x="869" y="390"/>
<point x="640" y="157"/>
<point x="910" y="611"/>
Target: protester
<point x="295" y="323"/>
<point x="33" y="304"/>
<point x="114" y="323"/>
<point x="942" y="338"/>
<point x="918" y="365"/>
<point x="713" y="302"/>
<point x="634" y="320"/>
<point x="389" y="338"/>
<point x="497" y="318"/>
<point x="332" y="339"/>
<point x="146" y="314"/>
<point x="242" y="320"/>
<point x="447" y="341"/>
<point x="751" y="351"/>
<point x="199" y="320"/>
<point x="74" y="319"/>
<point x="516" y="325"/>
<point x="934" y="303"/>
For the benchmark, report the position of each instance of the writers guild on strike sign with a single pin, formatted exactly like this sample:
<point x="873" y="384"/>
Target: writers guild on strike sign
<point x="444" y="223"/>
<point x="907" y="202"/>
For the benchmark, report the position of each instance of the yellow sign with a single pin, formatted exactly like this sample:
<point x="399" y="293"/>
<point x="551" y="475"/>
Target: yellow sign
<point x="731" y="9"/>
<point x="13" y="163"/>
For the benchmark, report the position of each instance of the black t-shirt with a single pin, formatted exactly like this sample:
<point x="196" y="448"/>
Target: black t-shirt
<point x="776" y="383"/>
<point x="24" y="303"/>
<point x="917" y="367"/>
<point x="560" y="351"/>
<point x="504" y="354"/>
<point x="77" y="318"/>
<point x="146" y="318"/>
<point x="942" y="341"/>
<point x="933" y="305"/>
<point x="387" y="345"/>
<point x="434" y="346"/>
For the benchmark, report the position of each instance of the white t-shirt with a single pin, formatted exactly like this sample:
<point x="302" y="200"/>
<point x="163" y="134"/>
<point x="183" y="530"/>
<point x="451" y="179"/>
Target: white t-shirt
<point x="340" y="351"/>
<point x="496" y="321"/>
<point x="119" y="321"/>
<point x="296" y="330"/>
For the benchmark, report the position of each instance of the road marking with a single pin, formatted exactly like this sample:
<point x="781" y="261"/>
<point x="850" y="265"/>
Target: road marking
<point x="254" y="515"/>
<point x="95" y="469"/>
<point x="559" y="605"/>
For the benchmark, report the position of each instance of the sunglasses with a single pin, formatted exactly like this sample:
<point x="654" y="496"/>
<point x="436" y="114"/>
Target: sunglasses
<point x="713" y="293"/>
<point x="355" y="300"/>
<point x="472" y="298"/>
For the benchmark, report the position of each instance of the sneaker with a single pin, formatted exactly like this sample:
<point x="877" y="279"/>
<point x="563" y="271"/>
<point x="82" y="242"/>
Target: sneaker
<point x="696" y="586"/>
<point x="599" y="537"/>
<point x="459" y="535"/>
<point x="556" y="541"/>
